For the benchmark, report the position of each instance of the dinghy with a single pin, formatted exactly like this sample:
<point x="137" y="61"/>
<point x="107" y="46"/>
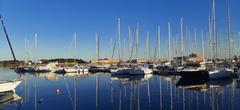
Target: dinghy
<point x="6" y="86"/>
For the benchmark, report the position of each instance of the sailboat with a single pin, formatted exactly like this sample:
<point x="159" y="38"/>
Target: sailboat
<point x="120" y="70"/>
<point x="73" y="69"/>
<point x="142" y="69"/>
<point x="6" y="86"/>
<point x="221" y="72"/>
<point x="27" y="67"/>
<point x="166" y="68"/>
<point x="76" y="68"/>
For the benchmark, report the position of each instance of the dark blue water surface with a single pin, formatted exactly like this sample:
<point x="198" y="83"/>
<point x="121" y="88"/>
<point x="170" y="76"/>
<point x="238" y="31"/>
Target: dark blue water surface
<point x="102" y="92"/>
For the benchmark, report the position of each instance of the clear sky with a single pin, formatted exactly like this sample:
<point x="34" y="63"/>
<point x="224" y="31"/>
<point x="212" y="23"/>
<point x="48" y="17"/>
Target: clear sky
<point x="55" y="21"/>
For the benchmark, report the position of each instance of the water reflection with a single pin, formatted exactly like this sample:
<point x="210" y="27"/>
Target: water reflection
<point x="11" y="98"/>
<point x="103" y="91"/>
<point x="133" y="83"/>
<point x="203" y="86"/>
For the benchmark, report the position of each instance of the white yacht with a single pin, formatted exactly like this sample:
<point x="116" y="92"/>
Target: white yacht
<point x="83" y="69"/>
<point x="46" y="68"/>
<point x="6" y="86"/>
<point x="141" y="70"/>
<point x="74" y="69"/>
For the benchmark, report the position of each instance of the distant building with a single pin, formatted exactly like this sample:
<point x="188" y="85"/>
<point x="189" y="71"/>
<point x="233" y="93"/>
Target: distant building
<point x="104" y="61"/>
<point x="196" y="58"/>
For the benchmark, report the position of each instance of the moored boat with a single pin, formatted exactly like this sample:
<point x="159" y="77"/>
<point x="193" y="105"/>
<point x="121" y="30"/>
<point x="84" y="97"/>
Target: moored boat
<point x="25" y="69"/>
<point x="6" y="86"/>
<point x="220" y="74"/>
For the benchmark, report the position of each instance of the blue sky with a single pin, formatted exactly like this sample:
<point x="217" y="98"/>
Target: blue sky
<point x="55" y="21"/>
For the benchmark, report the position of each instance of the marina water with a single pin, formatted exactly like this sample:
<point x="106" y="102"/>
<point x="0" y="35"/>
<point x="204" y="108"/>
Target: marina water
<point x="101" y="91"/>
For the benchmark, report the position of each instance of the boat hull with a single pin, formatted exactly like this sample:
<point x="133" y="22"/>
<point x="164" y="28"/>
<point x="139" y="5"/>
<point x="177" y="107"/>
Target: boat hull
<point x="225" y="73"/>
<point x="9" y="86"/>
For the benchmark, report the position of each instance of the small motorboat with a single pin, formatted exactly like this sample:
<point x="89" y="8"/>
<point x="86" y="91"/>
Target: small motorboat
<point x="59" y="71"/>
<point x="6" y="86"/>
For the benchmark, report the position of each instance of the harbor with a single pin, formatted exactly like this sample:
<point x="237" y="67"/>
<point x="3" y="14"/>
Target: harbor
<point x="125" y="61"/>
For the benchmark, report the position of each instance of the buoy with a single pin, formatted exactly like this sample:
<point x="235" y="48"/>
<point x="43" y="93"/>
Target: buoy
<point x="58" y="92"/>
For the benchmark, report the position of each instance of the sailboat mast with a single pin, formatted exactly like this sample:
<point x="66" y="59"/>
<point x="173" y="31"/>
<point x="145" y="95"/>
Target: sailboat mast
<point x="182" y="38"/>
<point x="214" y="29"/>
<point x="75" y="46"/>
<point x="97" y="46"/>
<point x="169" y="41"/>
<point x="158" y="37"/>
<point x="203" y="53"/>
<point x="229" y="30"/>
<point x="137" y="41"/>
<point x="124" y="49"/>
<point x="9" y="43"/>
<point x="130" y="37"/>
<point x="147" y="45"/>
<point x="186" y="42"/>
<point x="195" y="40"/>
<point x="210" y="37"/>
<point x="111" y="48"/>
<point x="220" y="45"/>
<point x="25" y="44"/>
<point x="189" y="42"/>
<point x="119" y="39"/>
<point x="35" y="44"/>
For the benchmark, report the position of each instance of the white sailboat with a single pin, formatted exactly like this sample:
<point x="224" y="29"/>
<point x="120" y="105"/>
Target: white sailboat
<point x="226" y="72"/>
<point x="195" y="66"/>
<point x="73" y="69"/>
<point x="120" y="70"/>
<point x="142" y="70"/>
<point x="6" y="86"/>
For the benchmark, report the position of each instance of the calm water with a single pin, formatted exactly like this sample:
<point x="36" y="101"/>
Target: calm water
<point x="101" y="91"/>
